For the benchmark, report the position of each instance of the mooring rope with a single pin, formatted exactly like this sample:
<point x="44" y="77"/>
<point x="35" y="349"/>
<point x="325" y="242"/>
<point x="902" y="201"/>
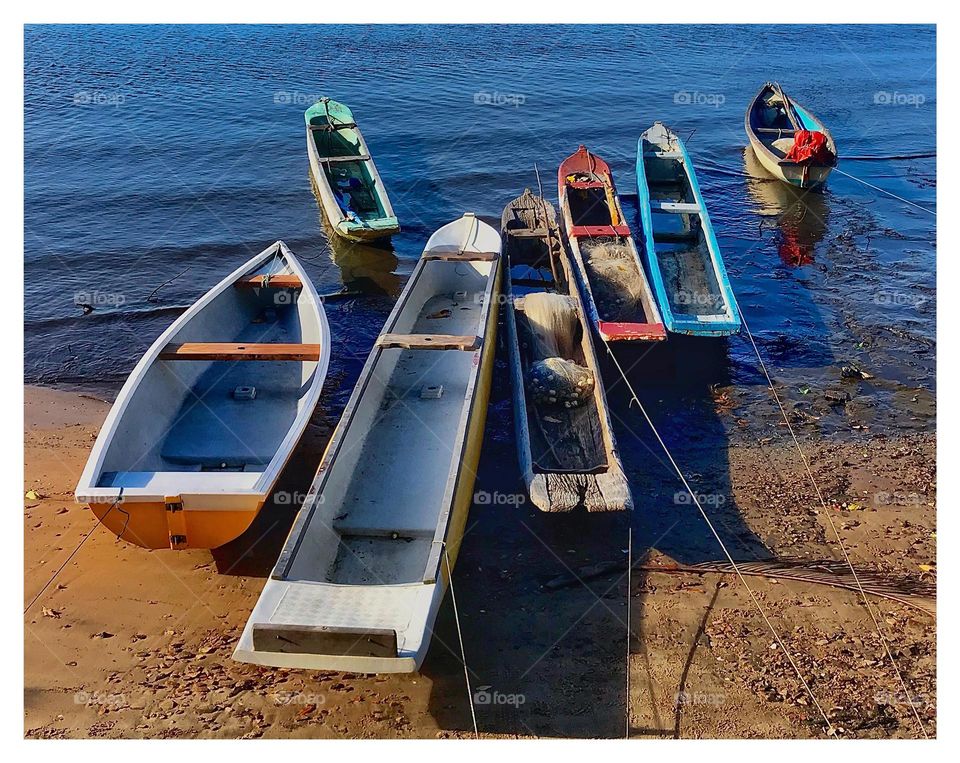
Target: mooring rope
<point x="733" y="564"/>
<point x="884" y="190"/>
<point x="629" y="630"/>
<point x="826" y="513"/>
<point x="74" y="552"/>
<point x="463" y="654"/>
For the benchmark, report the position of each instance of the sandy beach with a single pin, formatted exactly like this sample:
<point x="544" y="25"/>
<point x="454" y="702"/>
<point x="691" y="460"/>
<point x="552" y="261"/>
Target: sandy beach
<point x="131" y="643"/>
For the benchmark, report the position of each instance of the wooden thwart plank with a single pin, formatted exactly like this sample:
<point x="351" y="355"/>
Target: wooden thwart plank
<point x="462" y="255"/>
<point x="428" y="342"/>
<point x="240" y="351"/>
<point x="360" y="158"/>
<point x="278" y="281"/>
<point x="331" y="128"/>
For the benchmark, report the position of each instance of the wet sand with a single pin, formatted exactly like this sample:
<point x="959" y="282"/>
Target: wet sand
<point x="132" y="643"/>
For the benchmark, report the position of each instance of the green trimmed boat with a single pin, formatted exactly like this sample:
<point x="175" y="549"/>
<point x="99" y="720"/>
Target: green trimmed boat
<point x="350" y="189"/>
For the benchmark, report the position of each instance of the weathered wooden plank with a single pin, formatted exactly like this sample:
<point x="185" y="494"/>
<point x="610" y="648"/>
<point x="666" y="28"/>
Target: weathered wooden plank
<point x="240" y="351"/>
<point x="276" y="281"/>
<point x="461" y="255"/>
<point x="359" y="158"/>
<point x="428" y="342"/>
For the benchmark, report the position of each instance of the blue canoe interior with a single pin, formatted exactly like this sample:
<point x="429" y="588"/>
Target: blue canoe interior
<point x="680" y="248"/>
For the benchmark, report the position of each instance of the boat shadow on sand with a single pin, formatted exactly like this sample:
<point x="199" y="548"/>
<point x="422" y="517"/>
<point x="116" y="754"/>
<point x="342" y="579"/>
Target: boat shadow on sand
<point x="543" y="598"/>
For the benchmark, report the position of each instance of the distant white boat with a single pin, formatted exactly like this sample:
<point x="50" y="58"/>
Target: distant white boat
<point x="208" y="418"/>
<point x="360" y="580"/>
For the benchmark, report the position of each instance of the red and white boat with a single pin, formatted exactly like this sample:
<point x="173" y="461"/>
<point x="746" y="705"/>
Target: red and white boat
<point x="617" y="295"/>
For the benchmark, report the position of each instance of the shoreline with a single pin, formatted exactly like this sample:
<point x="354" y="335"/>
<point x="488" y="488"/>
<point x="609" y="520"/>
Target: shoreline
<point x="134" y="643"/>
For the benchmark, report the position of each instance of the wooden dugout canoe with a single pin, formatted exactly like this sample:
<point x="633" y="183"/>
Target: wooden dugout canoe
<point x="616" y="293"/>
<point x="771" y="122"/>
<point x="568" y="456"/>
<point x="363" y="572"/>
<point x="680" y="247"/>
<point x="351" y="192"/>
<point x="208" y="418"/>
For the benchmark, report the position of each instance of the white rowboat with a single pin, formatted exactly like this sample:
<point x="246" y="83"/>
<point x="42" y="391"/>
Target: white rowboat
<point x="208" y="418"/>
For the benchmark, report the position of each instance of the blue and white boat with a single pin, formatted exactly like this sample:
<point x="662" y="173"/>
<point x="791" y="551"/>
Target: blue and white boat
<point x="680" y="249"/>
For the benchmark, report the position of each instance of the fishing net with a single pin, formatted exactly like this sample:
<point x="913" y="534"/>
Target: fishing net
<point x="554" y="379"/>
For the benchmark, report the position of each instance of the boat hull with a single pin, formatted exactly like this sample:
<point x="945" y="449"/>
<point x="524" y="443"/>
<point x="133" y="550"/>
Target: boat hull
<point x="810" y="176"/>
<point x="151" y="524"/>
<point x="577" y="462"/>
<point x="365" y="567"/>
<point x="680" y="247"/>
<point x="364" y="227"/>
<point x="201" y="429"/>
<point x="615" y="290"/>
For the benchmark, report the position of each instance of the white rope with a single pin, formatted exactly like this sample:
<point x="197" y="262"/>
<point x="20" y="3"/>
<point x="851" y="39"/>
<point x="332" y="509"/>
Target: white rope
<point x="723" y="546"/>
<point x="629" y="606"/>
<point x="463" y="655"/>
<point x="74" y="552"/>
<point x="826" y="513"/>
<point x="884" y="190"/>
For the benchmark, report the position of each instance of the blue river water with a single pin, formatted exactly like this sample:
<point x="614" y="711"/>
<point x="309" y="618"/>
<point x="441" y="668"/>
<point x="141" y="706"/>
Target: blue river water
<point x="158" y="158"/>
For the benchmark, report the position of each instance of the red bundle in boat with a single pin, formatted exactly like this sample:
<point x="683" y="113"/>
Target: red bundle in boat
<point x="810" y="147"/>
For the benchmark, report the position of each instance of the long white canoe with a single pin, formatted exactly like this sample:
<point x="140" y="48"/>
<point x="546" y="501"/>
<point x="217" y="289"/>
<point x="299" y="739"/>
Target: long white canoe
<point x="208" y="418"/>
<point x="363" y="572"/>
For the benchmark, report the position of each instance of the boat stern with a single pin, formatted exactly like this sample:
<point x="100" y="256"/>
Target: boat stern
<point x="361" y="629"/>
<point x="368" y="230"/>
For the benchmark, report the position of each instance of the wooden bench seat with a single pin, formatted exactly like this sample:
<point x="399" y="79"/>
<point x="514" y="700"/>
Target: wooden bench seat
<point x="428" y="342"/>
<point x="359" y="158"/>
<point x="277" y="281"/>
<point x="461" y="255"/>
<point x="240" y="351"/>
<point x="333" y="127"/>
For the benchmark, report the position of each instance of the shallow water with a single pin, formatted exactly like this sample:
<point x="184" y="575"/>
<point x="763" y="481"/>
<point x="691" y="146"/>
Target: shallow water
<point x="160" y="158"/>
